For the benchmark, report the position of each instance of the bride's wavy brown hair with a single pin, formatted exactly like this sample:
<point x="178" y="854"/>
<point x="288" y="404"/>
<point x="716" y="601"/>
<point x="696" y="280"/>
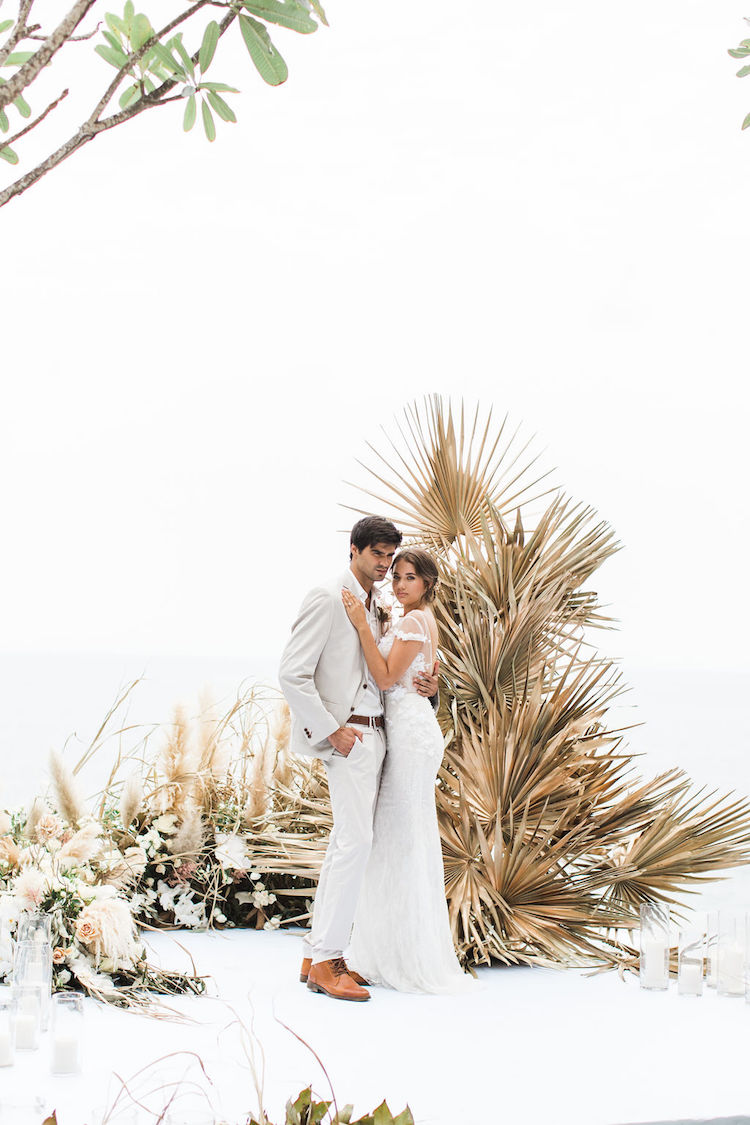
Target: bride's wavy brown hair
<point x="425" y="568"/>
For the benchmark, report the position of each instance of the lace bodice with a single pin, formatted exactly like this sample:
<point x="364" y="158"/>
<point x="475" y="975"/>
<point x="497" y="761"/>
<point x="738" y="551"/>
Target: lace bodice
<point x="413" y="627"/>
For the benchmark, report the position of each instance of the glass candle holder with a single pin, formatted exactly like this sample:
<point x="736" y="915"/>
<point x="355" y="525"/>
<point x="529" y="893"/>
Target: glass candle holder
<point x="33" y="925"/>
<point x="654" y="967"/>
<point x="732" y="953"/>
<point x="32" y="965"/>
<point x="28" y="1016"/>
<point x="691" y="946"/>
<point x="712" y="949"/>
<point x="8" y="1006"/>
<point x="67" y="1032"/>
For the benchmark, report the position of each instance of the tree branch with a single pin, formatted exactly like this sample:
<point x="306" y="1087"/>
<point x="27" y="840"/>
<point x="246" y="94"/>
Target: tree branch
<point x="92" y="127"/>
<point x="28" y="72"/>
<point x="71" y="38"/>
<point x="7" y="141"/>
<point x="18" y="32"/>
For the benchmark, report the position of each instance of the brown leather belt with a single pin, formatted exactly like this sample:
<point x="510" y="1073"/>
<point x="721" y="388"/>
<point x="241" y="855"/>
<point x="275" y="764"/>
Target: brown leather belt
<point x="366" y="721"/>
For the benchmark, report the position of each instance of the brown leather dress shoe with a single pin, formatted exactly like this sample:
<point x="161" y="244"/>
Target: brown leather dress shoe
<point x="304" y="973"/>
<point x="332" y="978"/>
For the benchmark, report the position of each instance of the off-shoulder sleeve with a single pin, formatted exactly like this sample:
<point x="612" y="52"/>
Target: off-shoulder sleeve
<point x="410" y="628"/>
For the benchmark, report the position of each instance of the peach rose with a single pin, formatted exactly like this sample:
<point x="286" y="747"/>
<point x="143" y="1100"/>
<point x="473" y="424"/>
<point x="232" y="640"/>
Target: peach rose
<point x="58" y="955"/>
<point x="88" y="930"/>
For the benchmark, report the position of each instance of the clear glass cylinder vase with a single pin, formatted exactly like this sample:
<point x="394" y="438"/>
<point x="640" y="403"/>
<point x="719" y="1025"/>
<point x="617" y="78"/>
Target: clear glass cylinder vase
<point x="28" y="1016"/>
<point x="67" y="1032"/>
<point x="691" y="950"/>
<point x="32" y="966"/>
<point x="654" y="960"/>
<point x="732" y="953"/>
<point x="34" y="925"/>
<point x="8" y="1007"/>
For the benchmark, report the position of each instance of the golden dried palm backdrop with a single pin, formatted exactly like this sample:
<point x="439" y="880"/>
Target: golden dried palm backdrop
<point x="550" y="840"/>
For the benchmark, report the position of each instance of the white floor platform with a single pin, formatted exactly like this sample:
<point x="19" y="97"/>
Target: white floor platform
<point x="531" y="1047"/>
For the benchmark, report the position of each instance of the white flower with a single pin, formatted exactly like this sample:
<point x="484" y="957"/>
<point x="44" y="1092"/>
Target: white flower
<point x="166" y="823"/>
<point x="231" y="850"/>
<point x="272" y="923"/>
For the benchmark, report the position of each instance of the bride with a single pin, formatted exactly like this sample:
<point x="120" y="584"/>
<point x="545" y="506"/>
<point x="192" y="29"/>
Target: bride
<point x="401" y="932"/>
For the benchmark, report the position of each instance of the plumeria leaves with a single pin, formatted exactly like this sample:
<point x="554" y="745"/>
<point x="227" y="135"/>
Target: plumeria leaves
<point x="9" y="155"/>
<point x="190" y="113"/>
<point x="208" y="46"/>
<point x="268" y="62"/>
<point x="225" y="112"/>
<point x="285" y="13"/>
<point x="742" y="52"/>
<point x="209" y="125"/>
<point x="18" y="58"/>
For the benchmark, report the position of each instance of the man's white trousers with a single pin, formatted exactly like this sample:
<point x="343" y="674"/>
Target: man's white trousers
<point x="353" y="783"/>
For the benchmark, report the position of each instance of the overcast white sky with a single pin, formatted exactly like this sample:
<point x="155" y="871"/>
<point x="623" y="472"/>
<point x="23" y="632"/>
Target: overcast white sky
<point x="539" y="206"/>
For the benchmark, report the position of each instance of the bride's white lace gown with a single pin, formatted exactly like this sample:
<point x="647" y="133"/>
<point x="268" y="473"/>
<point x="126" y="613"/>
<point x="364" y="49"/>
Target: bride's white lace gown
<point x="401" y="934"/>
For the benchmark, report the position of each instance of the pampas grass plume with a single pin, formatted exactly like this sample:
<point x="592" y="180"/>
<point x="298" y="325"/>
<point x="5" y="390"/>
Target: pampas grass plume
<point x="36" y="812"/>
<point x="131" y="800"/>
<point x="188" y="839"/>
<point x="83" y="844"/>
<point x="70" y="802"/>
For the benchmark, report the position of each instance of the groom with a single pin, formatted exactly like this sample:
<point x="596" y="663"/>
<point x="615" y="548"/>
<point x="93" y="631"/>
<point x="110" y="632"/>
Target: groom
<point x="337" y="716"/>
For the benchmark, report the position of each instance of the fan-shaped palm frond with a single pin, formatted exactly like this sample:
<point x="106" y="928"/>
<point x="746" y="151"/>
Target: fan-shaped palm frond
<point x="549" y="837"/>
<point x="441" y="476"/>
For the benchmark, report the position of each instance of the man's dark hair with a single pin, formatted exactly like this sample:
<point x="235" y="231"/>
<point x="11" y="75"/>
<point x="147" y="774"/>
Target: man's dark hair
<point x="374" y="529"/>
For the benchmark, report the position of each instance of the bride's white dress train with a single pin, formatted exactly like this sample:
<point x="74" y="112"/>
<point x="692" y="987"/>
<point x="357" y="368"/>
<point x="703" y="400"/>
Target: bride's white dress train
<point x="401" y="935"/>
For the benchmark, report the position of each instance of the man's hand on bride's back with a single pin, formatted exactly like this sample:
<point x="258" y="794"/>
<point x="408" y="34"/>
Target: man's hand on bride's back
<point x="343" y="739"/>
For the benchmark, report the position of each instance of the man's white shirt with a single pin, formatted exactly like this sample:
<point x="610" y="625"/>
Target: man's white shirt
<point x="369" y="701"/>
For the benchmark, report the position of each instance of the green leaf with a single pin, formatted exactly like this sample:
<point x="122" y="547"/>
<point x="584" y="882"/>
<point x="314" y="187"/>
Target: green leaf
<point x="129" y="10"/>
<point x="382" y="1115"/>
<point x="268" y="62"/>
<point x="190" y="111"/>
<point x="208" y="121"/>
<point x="743" y="71"/>
<point x="4" y="122"/>
<point x="113" y="40"/>
<point x="318" y="9"/>
<point x="739" y="52"/>
<point x="9" y="155"/>
<point x="130" y="95"/>
<point x="148" y="85"/>
<point x="404" y="1118"/>
<point x="746" y="122"/>
<point x="286" y="13"/>
<point x="140" y="32"/>
<point x="208" y="46"/>
<point x="4" y="25"/>
<point x="114" y="23"/>
<point x="166" y="57"/>
<point x="18" y="58"/>
<point x="219" y="87"/>
<point x="22" y="106"/>
<point x="187" y="61"/>
<point x="117" y="59"/>
<point x="225" y="112"/>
